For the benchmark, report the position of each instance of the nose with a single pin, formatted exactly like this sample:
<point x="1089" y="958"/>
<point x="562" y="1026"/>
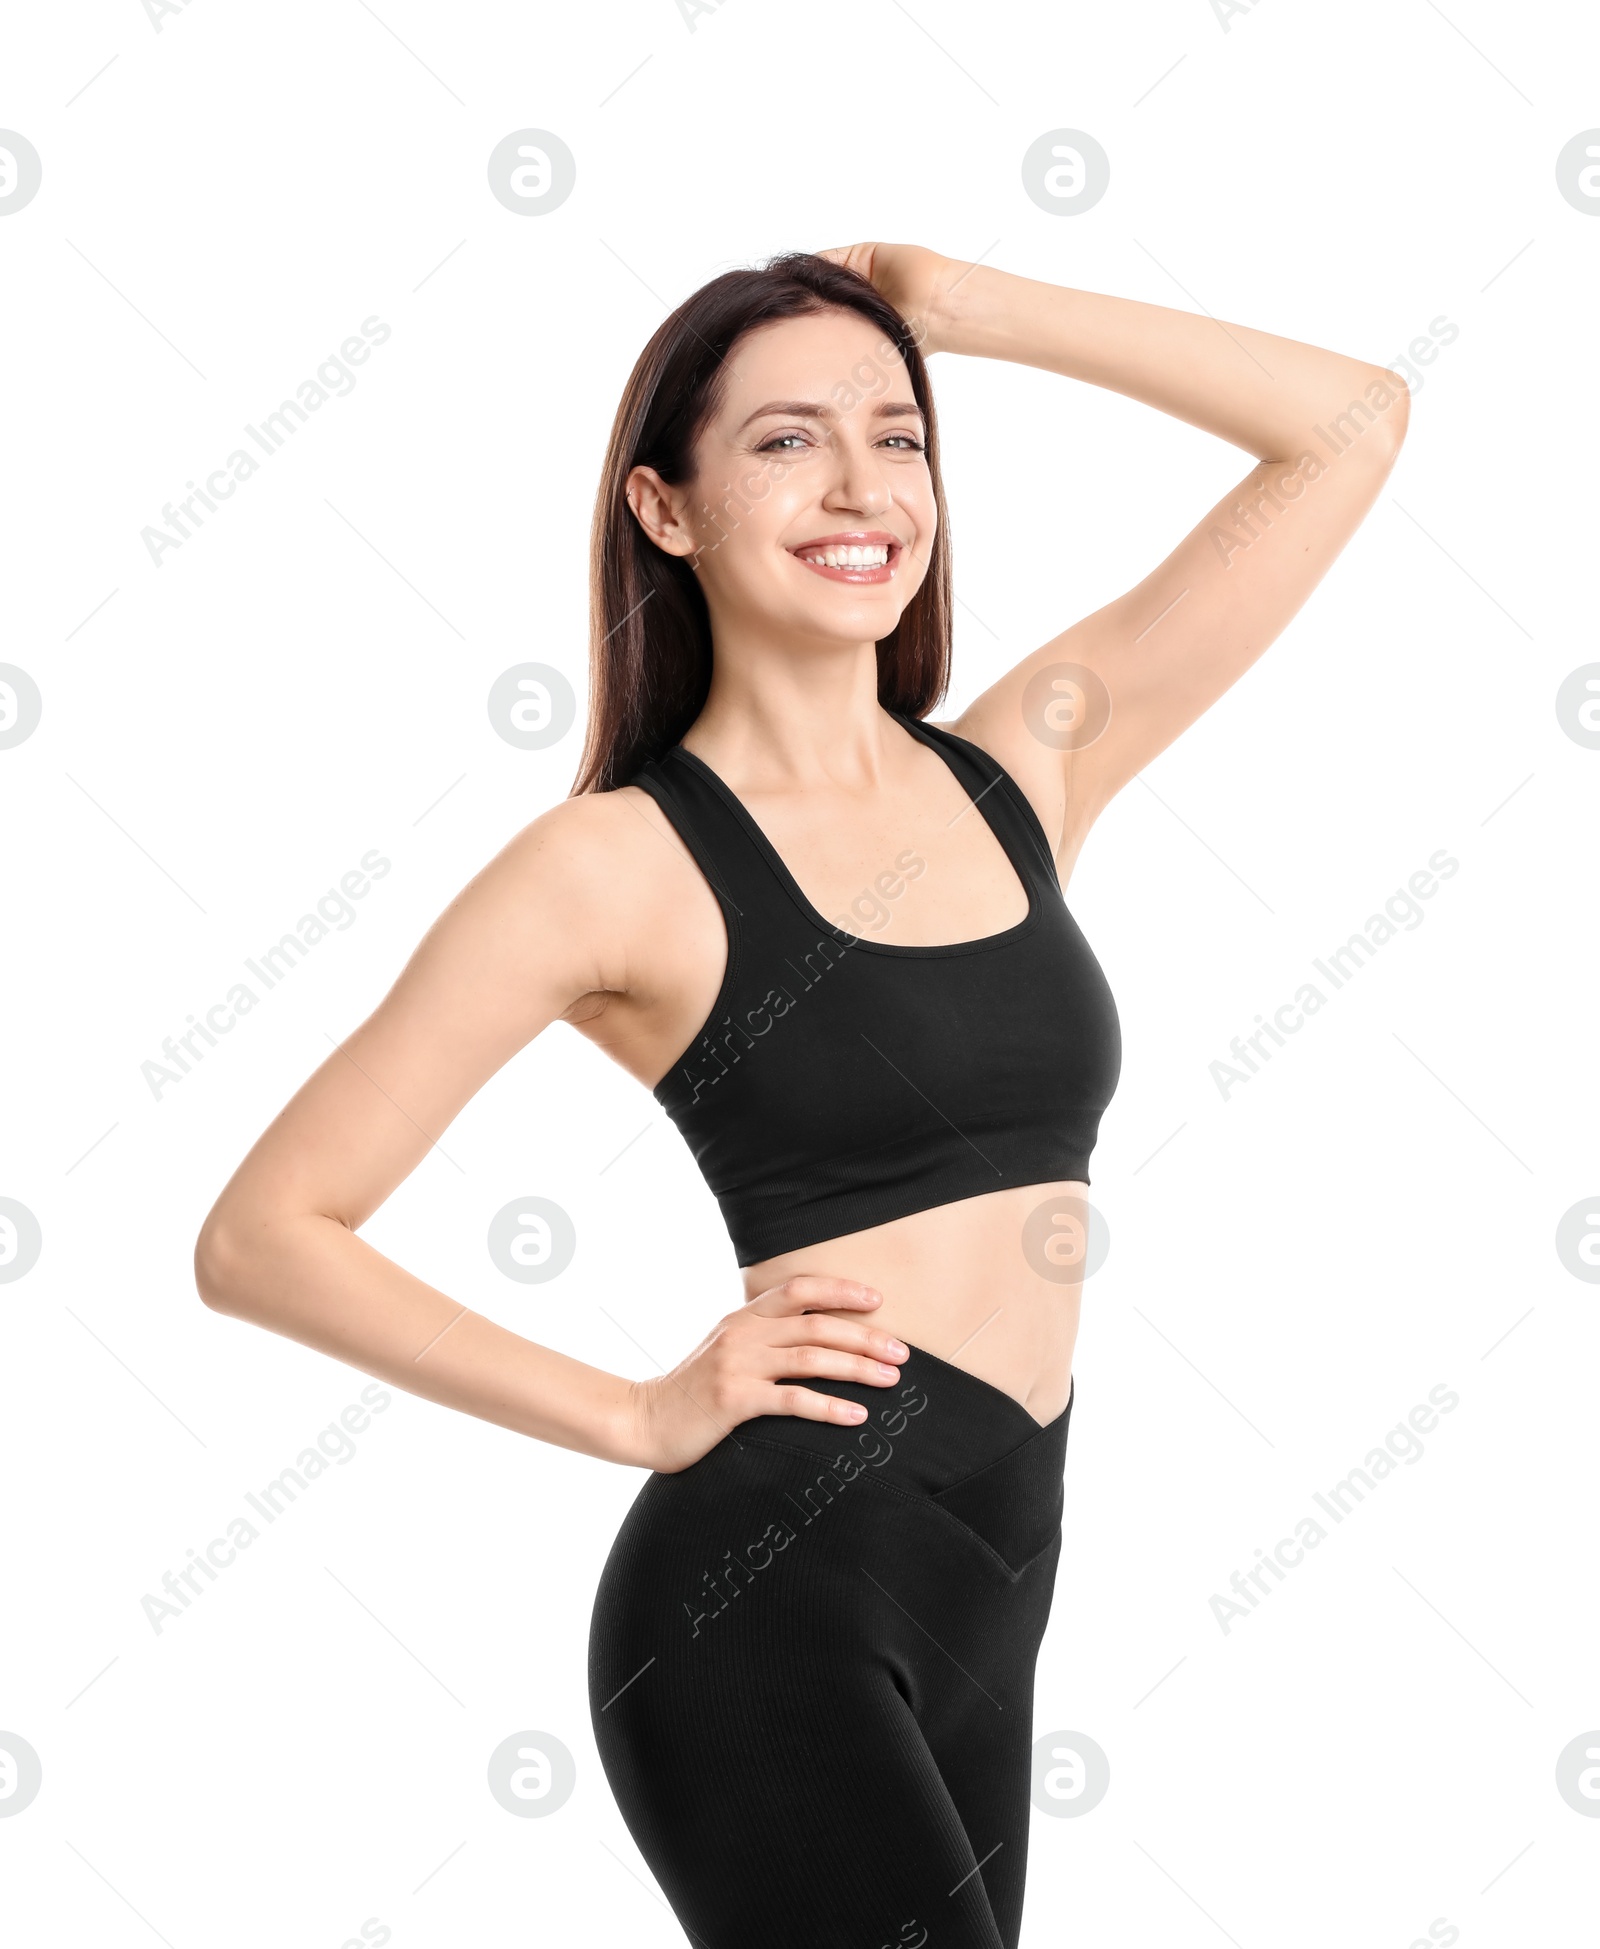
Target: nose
<point x="859" y="483"/>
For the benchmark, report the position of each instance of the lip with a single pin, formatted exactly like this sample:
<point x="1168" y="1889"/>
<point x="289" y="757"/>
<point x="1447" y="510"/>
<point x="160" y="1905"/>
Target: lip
<point x="854" y="538"/>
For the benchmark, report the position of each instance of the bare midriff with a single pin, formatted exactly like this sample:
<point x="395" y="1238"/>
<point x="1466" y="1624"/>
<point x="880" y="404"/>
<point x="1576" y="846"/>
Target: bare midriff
<point x="991" y="1284"/>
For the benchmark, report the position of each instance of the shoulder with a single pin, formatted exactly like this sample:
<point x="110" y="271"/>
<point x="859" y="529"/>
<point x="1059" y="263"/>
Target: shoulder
<point x="576" y="832"/>
<point x="595" y="851"/>
<point x="574" y="901"/>
<point x="1035" y="768"/>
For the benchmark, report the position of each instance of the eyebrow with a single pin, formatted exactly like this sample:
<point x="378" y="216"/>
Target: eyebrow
<point x="812" y="409"/>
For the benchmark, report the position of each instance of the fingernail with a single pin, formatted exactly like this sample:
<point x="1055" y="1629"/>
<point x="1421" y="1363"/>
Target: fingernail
<point x="889" y="1373"/>
<point x="900" y="1350"/>
<point x="855" y="1412"/>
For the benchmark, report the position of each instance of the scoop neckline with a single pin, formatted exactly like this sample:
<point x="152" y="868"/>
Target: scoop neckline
<point x="791" y="886"/>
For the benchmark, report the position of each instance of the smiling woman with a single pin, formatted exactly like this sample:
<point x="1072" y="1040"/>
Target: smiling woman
<point x="710" y="470"/>
<point x="898" y="1123"/>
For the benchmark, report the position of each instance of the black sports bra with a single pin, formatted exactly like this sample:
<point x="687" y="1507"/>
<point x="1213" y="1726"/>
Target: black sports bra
<point x="840" y="1082"/>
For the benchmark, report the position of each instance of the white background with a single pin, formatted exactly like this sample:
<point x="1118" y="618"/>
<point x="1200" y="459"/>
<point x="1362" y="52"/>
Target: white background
<point x="1291" y="1268"/>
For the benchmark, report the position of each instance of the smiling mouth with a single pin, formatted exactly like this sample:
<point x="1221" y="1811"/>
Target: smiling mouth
<point x="854" y="559"/>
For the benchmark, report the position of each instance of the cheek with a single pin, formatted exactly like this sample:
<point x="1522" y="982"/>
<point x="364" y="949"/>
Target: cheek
<point x="788" y="501"/>
<point x="752" y="499"/>
<point x="759" y="525"/>
<point x="919" y="503"/>
<point x="743" y="541"/>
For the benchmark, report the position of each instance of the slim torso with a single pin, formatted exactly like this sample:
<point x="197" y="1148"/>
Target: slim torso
<point x="958" y="1282"/>
<point x="967" y="1281"/>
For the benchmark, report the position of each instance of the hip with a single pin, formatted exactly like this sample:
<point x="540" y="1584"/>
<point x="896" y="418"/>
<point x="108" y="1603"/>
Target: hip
<point x="943" y="1508"/>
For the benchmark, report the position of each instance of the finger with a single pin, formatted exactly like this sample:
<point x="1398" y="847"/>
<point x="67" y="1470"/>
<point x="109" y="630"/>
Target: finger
<point x="813" y="1289"/>
<point x="849" y="1336"/>
<point x="806" y="1404"/>
<point x="828" y="1364"/>
<point x="853" y="257"/>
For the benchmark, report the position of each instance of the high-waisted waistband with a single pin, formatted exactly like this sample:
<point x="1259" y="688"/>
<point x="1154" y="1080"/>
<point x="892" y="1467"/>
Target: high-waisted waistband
<point x="941" y="1433"/>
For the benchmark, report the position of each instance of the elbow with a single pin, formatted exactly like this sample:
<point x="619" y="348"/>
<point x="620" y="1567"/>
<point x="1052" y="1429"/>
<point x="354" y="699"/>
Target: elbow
<point x="246" y="1258"/>
<point x="216" y="1265"/>
<point x="1394" y="418"/>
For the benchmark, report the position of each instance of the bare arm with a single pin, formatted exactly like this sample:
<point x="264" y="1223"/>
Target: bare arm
<point x="1325" y="430"/>
<point x="511" y="953"/>
<point x="550" y="926"/>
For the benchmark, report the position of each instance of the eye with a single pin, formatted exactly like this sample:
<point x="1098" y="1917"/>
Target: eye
<point x="771" y="446"/>
<point x="911" y="446"/>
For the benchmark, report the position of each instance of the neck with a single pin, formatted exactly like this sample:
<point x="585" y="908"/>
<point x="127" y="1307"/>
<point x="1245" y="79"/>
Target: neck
<point x="785" y="721"/>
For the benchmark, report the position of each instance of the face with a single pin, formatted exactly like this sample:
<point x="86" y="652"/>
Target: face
<point x="812" y="512"/>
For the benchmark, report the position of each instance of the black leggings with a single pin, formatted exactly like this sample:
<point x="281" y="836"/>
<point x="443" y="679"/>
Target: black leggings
<point x="811" y="1669"/>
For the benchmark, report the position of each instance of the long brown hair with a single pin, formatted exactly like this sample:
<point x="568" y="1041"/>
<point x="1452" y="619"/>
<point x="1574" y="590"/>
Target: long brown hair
<point x="649" y="628"/>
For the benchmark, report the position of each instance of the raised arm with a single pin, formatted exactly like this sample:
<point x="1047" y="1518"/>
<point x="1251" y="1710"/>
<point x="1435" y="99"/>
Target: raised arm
<point x="1325" y="430"/>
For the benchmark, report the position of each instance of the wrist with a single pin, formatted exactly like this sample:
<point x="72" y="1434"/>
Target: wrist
<point x="628" y="1432"/>
<point x="957" y="306"/>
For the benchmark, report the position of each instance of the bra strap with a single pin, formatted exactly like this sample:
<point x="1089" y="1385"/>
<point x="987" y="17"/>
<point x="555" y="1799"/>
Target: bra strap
<point x="1008" y="806"/>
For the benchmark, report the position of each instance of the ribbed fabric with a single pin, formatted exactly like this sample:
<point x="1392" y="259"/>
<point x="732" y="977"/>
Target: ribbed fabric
<point x="811" y="1665"/>
<point x="840" y="1082"/>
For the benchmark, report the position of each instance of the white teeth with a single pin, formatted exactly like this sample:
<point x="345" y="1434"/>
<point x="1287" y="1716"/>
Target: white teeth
<point x="874" y="556"/>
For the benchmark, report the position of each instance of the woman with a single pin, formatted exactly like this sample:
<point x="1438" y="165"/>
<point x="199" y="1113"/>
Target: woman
<point x="813" y="1648"/>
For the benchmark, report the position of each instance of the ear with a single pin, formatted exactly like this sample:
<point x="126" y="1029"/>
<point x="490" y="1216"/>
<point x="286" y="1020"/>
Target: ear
<point x="658" y="510"/>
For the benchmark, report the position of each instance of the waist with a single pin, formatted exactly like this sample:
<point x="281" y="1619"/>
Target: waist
<point x="936" y="1427"/>
<point x="991" y="1284"/>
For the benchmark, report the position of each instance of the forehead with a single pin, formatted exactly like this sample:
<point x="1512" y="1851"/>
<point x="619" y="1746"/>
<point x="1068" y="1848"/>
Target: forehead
<point x="827" y="356"/>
